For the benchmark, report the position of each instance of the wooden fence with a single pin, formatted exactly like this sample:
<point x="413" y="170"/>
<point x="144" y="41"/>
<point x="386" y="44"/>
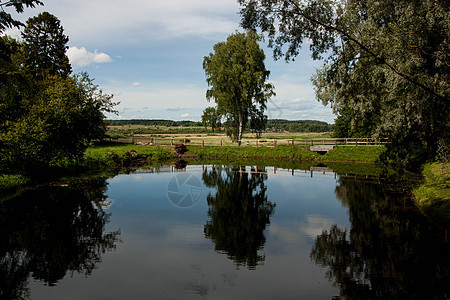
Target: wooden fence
<point x="253" y="142"/>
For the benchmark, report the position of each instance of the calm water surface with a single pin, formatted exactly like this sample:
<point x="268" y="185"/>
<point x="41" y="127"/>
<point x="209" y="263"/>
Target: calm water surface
<point x="219" y="232"/>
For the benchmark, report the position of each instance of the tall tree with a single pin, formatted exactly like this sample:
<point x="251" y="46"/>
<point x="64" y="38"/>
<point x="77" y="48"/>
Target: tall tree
<point x="45" y="47"/>
<point x="388" y="59"/>
<point x="6" y="20"/>
<point x="237" y="76"/>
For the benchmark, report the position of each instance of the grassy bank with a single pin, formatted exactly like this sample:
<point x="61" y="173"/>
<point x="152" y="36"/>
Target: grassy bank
<point x="350" y="154"/>
<point x="96" y="158"/>
<point x="433" y="196"/>
<point x="8" y="182"/>
<point x="113" y="155"/>
<point x="123" y="154"/>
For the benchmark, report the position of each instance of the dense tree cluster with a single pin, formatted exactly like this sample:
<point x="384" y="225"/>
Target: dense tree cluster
<point x="387" y="64"/>
<point x="153" y="122"/>
<point x="47" y="116"/>
<point x="298" y="125"/>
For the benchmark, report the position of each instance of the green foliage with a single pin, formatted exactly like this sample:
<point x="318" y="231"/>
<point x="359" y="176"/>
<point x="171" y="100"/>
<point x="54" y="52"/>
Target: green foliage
<point x="433" y="196"/>
<point x="298" y="125"/>
<point x="387" y="64"/>
<point x="6" y="20"/>
<point x="237" y="76"/>
<point x="153" y="122"/>
<point x="45" y="47"/>
<point x="211" y="118"/>
<point x="347" y="125"/>
<point x="8" y="182"/>
<point x="102" y="155"/>
<point x="47" y="118"/>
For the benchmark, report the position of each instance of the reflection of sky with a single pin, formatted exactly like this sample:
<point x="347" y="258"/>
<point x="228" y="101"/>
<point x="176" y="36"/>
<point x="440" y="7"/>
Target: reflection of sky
<point x="164" y="253"/>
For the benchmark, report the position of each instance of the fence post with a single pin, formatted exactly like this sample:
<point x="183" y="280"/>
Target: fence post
<point x="185" y="142"/>
<point x="292" y="142"/>
<point x="203" y="143"/>
<point x="356" y="142"/>
<point x="335" y="142"/>
<point x="305" y="143"/>
<point x="256" y="143"/>
<point x="221" y="143"/>
<point x="367" y="142"/>
<point x="151" y="141"/>
<point x="312" y="143"/>
<point x="274" y="143"/>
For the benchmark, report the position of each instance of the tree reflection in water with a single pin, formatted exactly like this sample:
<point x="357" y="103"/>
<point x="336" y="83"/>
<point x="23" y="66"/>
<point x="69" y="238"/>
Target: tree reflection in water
<point x="391" y="251"/>
<point x="49" y="231"/>
<point x="239" y="212"/>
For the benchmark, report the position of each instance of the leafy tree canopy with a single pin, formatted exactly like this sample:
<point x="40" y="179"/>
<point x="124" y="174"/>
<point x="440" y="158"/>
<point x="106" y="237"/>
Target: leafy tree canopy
<point x="386" y="62"/>
<point x="211" y="118"/>
<point x="6" y="20"/>
<point x="47" y="118"/>
<point x="45" y="46"/>
<point x="237" y="76"/>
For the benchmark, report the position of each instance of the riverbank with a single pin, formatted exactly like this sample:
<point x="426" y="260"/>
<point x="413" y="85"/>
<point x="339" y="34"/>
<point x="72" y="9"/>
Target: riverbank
<point x="115" y="155"/>
<point x="433" y="196"/>
<point x="366" y="154"/>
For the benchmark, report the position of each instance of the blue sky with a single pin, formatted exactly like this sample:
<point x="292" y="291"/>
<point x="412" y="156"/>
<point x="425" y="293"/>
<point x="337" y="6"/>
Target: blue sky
<point x="149" y="54"/>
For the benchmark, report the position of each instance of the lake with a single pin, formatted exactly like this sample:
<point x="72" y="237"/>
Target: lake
<point x="221" y="232"/>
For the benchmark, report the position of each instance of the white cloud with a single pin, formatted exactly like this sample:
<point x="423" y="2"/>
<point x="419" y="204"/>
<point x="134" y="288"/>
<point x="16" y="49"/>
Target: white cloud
<point x="185" y="115"/>
<point x="136" y="84"/>
<point x="13" y="32"/>
<point x="81" y="57"/>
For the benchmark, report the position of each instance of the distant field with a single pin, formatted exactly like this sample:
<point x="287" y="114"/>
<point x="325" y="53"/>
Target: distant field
<point x="197" y="135"/>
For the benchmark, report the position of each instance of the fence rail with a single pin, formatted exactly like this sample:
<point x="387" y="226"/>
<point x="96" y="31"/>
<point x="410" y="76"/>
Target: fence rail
<point x="253" y="142"/>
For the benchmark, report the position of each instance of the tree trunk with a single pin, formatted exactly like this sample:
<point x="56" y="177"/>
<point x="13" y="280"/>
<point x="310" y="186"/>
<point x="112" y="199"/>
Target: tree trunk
<point x="239" y="137"/>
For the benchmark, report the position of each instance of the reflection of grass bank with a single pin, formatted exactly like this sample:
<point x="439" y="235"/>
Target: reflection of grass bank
<point x="341" y="168"/>
<point x="434" y="194"/>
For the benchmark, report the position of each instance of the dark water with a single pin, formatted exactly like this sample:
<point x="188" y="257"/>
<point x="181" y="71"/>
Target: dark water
<point x="217" y="232"/>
